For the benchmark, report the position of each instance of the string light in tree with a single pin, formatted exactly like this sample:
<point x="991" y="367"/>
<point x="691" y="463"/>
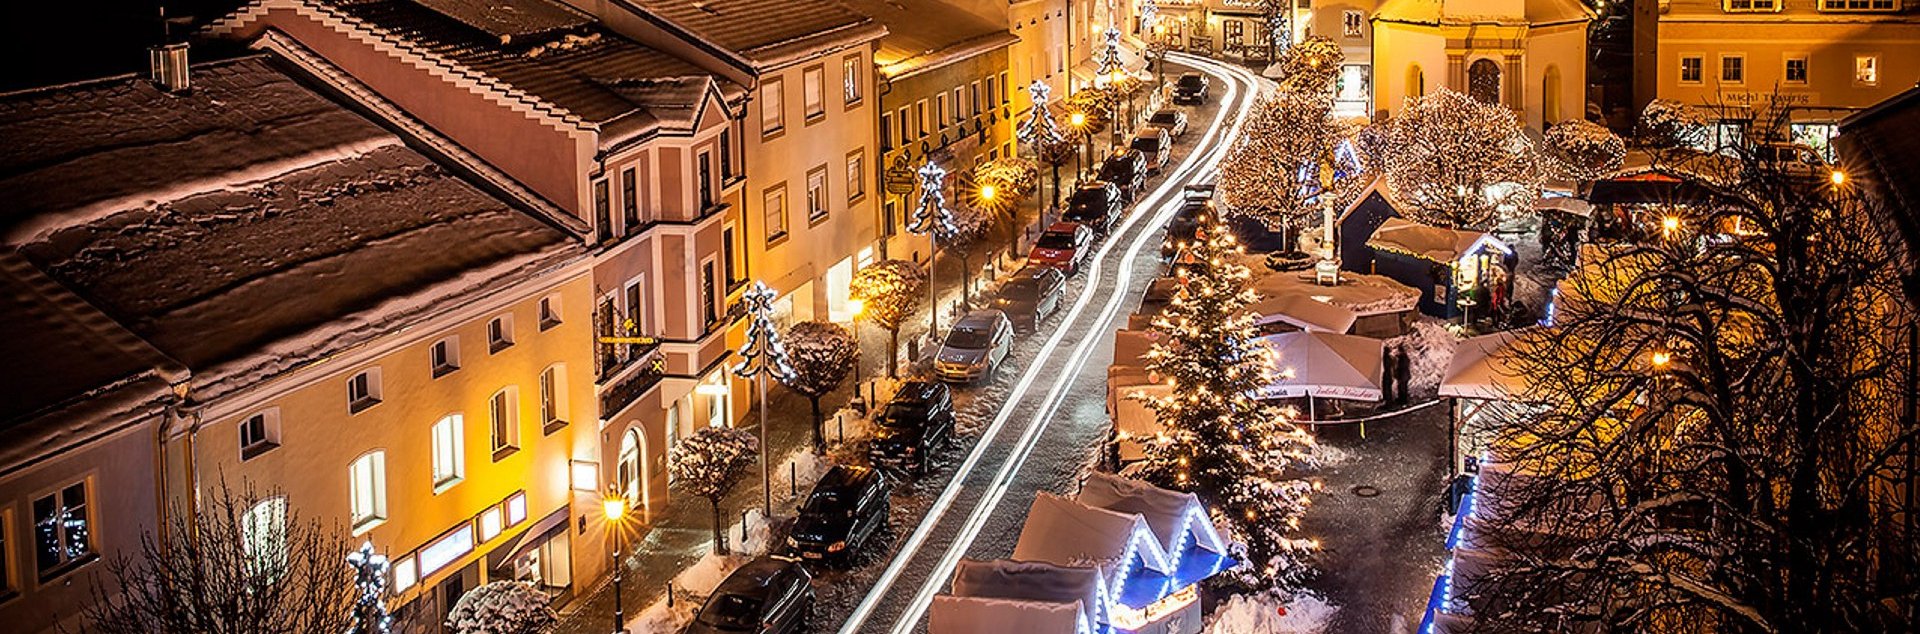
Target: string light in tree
<point x="763" y="357"/>
<point x="370" y="578"/>
<point x="1461" y="163"/>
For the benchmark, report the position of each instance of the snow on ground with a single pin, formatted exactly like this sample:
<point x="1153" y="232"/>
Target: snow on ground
<point x="1430" y="345"/>
<point x="1270" y="613"/>
<point x="693" y="585"/>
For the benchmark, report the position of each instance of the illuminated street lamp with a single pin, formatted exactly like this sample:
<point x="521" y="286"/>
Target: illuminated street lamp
<point x="987" y="192"/>
<point x="1837" y="177"/>
<point x="856" y="306"/>
<point x="1078" y="121"/>
<point x="615" y="507"/>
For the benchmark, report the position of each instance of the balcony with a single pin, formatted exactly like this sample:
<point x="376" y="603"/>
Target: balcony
<point x="640" y="374"/>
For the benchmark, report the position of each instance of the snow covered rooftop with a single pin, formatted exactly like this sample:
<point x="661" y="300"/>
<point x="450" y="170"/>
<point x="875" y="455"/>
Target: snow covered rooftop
<point x="47" y="328"/>
<point x="928" y="33"/>
<point x="251" y="224"/>
<point x="1032" y="581"/>
<point x="764" y="30"/>
<point x="974" y="615"/>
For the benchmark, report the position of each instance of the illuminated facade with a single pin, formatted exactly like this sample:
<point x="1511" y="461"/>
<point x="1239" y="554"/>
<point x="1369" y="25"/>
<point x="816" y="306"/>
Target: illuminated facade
<point x="1529" y="55"/>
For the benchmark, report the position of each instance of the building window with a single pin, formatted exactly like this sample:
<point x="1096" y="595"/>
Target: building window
<point x="1692" y="69"/>
<point x="990" y="90"/>
<point x="939" y="111"/>
<point x="637" y="312"/>
<point x="1003" y="94"/>
<point x="813" y="84"/>
<point x="1866" y="70"/>
<point x="886" y="131"/>
<point x="1752" y="5"/>
<point x="263" y="538"/>
<point x="920" y="125"/>
<point x="549" y="311"/>
<point x="553" y="398"/>
<point x="499" y="333"/>
<point x="449" y="452"/>
<point x="973" y="97"/>
<point x="503" y="411"/>
<point x="960" y="110"/>
<point x="705" y="176"/>
<point x="369" y="490"/>
<point x="906" y="126"/>
<point x="445" y="355"/>
<point x="63" y="535"/>
<point x="731" y="254"/>
<point x="852" y="77"/>
<point x="710" y="292"/>
<point x="817" y="194"/>
<point x="772" y="105"/>
<point x="259" y="433"/>
<point x="602" y="211"/>
<point x="1796" y="72"/>
<point x="1858" y="5"/>
<point x="726" y="154"/>
<point x="1483" y="81"/>
<point x="856" y="175"/>
<point x="1733" y="69"/>
<point x="1353" y="23"/>
<point x="363" y="390"/>
<point x="776" y="209"/>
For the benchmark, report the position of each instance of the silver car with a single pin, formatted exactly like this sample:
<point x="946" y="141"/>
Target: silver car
<point x="975" y="348"/>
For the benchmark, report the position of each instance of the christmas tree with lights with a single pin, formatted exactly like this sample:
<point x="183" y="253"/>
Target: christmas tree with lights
<point x="1217" y="440"/>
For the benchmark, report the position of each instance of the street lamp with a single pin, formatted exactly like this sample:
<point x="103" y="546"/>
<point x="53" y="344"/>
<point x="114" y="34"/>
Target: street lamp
<point x="1837" y="177"/>
<point x="987" y="192"/>
<point x="856" y="306"/>
<point x="615" y="507"/>
<point x="1078" y="121"/>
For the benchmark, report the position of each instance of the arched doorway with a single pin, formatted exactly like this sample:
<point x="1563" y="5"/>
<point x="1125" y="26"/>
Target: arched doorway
<point x="1483" y="81"/>
<point x="1416" y="81"/>
<point x="632" y="482"/>
<point x="1550" y="95"/>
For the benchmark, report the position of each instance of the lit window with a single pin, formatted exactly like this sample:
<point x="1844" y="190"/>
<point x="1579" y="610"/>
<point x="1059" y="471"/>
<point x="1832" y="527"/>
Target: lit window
<point x="504" y="412"/>
<point x="369" y="490"/>
<point x="776" y="210"/>
<point x="813" y="86"/>
<point x="817" y="193"/>
<point x="264" y="538"/>
<point x="449" y="452"/>
<point x="500" y="333"/>
<point x="1857" y="5"/>
<point x="1733" y="69"/>
<point x="1866" y="70"/>
<point x="852" y="77"/>
<point x="553" y="398"/>
<point x="517" y="508"/>
<point x="446" y="549"/>
<point x="549" y="311"/>
<point x="1353" y="23"/>
<point x="363" y="390"/>
<point x="405" y="574"/>
<point x="491" y="523"/>
<point x="62" y="531"/>
<point x="856" y="175"/>
<point x="1751" y="5"/>
<point x="445" y="355"/>
<point x="772" y="104"/>
<point x="1692" y="69"/>
<point x="259" y="433"/>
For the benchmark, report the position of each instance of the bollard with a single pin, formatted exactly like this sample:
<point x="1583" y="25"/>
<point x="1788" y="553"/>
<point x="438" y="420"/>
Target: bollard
<point x="793" y="479"/>
<point x="669" y="594"/>
<point x="743" y="527"/>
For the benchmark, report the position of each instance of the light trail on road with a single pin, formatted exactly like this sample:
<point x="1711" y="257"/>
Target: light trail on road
<point x="1156" y="209"/>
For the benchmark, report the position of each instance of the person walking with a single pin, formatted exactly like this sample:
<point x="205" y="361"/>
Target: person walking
<point x="1386" y="375"/>
<point x="1403" y="374"/>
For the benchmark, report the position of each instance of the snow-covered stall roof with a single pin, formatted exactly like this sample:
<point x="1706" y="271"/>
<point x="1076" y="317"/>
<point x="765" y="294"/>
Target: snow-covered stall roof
<point x="1435" y="244"/>
<point x="1358" y="293"/>
<point x="1033" y="581"/>
<point x="975" y="615"/>
<point x="1326" y="365"/>
<point x="1480" y="368"/>
<point x="1305" y="312"/>
<point x="251" y="224"/>
<point x="1068" y="533"/>
<point x="1180" y="523"/>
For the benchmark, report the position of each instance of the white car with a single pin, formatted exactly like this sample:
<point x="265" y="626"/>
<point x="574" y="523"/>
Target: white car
<point x="975" y="348"/>
<point x="1172" y="120"/>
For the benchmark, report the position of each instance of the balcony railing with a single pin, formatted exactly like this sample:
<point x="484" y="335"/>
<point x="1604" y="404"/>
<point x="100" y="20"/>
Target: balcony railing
<point x="630" y="386"/>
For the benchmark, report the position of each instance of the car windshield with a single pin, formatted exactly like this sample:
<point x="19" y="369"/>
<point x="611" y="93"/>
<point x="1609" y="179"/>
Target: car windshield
<point x="1146" y="144"/>
<point x="903" y="415"/>
<point x="1082" y="208"/>
<point x="1190" y="81"/>
<point x="1165" y="117"/>
<point x="732" y="611"/>
<point x="1117" y="170"/>
<point x="829" y="502"/>
<point x="968" y="338"/>
<point x="1051" y="240"/>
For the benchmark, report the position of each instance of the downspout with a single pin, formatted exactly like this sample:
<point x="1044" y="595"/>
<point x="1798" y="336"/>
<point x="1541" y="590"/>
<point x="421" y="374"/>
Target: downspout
<point x="883" y="86"/>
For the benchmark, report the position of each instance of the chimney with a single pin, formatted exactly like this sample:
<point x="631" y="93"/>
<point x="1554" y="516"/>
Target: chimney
<point x="170" y="70"/>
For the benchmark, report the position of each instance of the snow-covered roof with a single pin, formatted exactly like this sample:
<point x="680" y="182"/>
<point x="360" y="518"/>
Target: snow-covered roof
<point x="251" y="224"/>
<point x="1068" y="533"/>
<point x="1359" y="293"/>
<point x="1437" y="244"/>
<point x="924" y="34"/>
<point x="1033" y="581"/>
<point x="1480" y="370"/>
<point x="1532" y="12"/>
<point x="1305" y="313"/>
<point x="765" y="31"/>
<point x="1326" y="365"/>
<point x="975" y="615"/>
<point x="1174" y="516"/>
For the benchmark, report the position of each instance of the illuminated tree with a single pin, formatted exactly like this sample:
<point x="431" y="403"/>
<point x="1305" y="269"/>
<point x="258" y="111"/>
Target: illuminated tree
<point x="1727" y="409"/>
<point x="1239" y="454"/>
<point x="964" y="235"/>
<point x="889" y="289"/>
<point x="1281" y="164"/>
<point x="1459" y="163"/>
<point x="1581" y="150"/>
<point x="1311" y="66"/>
<point x="502" y="607"/>
<point x="708" y="465"/>
<point x="821" y="355"/>
<point x="1666" y="125"/>
<point x="1012" y="181"/>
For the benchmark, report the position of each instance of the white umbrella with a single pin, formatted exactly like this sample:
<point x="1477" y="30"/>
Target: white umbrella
<point x="1325" y="365"/>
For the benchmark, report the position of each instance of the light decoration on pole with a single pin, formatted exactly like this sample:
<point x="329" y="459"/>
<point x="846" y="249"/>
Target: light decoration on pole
<point x="370" y="578"/>
<point x="1039" y="129"/>
<point x="931" y="217"/>
<point x="1110" y="62"/>
<point x="763" y="357"/>
<point x="1149" y="14"/>
<point x="1279" y="15"/>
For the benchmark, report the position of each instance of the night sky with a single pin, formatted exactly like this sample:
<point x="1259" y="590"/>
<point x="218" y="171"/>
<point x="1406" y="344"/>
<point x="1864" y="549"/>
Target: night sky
<point x="56" y="41"/>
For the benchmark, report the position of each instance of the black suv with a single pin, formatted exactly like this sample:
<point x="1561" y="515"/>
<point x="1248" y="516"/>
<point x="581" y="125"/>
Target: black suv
<point x="1190" y="88"/>
<point x="1127" y="170"/>
<point x="1095" y="204"/>
<point x="766" y="595"/>
<point x="847" y="507"/>
<point x="917" y="421"/>
<point x="1196" y="211"/>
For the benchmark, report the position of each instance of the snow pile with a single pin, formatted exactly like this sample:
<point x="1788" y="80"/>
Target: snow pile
<point x="1268" y="613"/>
<point x="502" y="607"/>
<point x="1430" y="346"/>
<point x="660" y="618"/>
<point x="796" y="474"/>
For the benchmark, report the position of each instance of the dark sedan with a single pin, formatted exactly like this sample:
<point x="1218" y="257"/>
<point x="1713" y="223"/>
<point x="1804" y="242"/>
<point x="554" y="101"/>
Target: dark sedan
<point x="766" y="595"/>
<point x="1190" y="88"/>
<point x="1127" y="170"/>
<point x="1095" y="204"/>
<point x="1032" y="295"/>
<point x="847" y="507"/>
<point x="917" y="421"/>
<point x="1196" y="211"/>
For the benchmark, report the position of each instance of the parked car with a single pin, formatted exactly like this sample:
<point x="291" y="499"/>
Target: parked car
<point x="1095" y="204"/>
<point x="1196" y="211"/>
<point x="1793" y="159"/>
<point x="976" y="346"/>
<point x="1062" y="246"/>
<point x="768" y="594"/>
<point x="1190" y="88"/>
<point x="917" y="421"/>
<point x="1033" y="294"/>
<point x="1126" y="169"/>
<point x="1156" y="145"/>
<point x="1172" y="120"/>
<point x="846" y="508"/>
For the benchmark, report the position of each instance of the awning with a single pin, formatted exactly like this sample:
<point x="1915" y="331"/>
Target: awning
<point x="1647" y="189"/>
<point x="1324" y="365"/>
<point x="1566" y="204"/>
<point x="1480" y="369"/>
<point x="529" y="539"/>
